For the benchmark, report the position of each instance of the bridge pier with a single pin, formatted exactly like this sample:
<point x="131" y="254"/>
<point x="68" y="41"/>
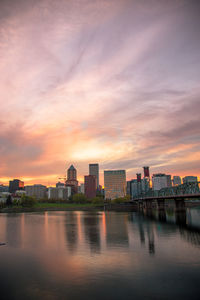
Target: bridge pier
<point x="160" y="204"/>
<point x="181" y="217"/>
<point x="162" y="215"/>
<point x="180" y="204"/>
<point x="140" y="205"/>
<point x="148" y="204"/>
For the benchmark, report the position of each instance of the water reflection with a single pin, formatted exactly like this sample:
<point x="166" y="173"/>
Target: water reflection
<point x="116" y="230"/>
<point x="187" y="224"/>
<point x="75" y="255"/>
<point x="71" y="227"/>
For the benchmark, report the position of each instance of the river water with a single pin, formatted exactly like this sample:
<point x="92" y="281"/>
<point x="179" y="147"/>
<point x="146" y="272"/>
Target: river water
<point x="100" y="255"/>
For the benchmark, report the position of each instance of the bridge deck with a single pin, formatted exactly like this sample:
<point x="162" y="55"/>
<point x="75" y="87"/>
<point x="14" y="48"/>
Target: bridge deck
<point x="173" y="197"/>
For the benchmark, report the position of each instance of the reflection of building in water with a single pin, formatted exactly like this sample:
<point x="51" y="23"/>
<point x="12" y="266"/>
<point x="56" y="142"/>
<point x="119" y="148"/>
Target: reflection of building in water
<point x="92" y="231"/>
<point x="193" y="217"/>
<point x="162" y="215"/>
<point x="191" y="236"/>
<point x="150" y="235"/>
<point x="14" y="230"/>
<point x="116" y="230"/>
<point x="141" y="229"/>
<point x="71" y="227"/>
<point x="145" y="228"/>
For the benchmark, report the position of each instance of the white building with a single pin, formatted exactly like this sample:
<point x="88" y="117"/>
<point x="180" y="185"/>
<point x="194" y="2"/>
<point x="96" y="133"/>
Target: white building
<point x="188" y="179"/>
<point x="176" y="180"/>
<point x="60" y="184"/>
<point x="115" y="184"/>
<point x="4" y="196"/>
<point x="82" y="188"/>
<point x="36" y="190"/>
<point x="160" y="181"/>
<point x="62" y="193"/>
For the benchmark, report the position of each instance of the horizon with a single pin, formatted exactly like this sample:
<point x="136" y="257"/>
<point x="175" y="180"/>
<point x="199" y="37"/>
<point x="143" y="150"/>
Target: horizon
<point x="81" y="181"/>
<point x="115" y="82"/>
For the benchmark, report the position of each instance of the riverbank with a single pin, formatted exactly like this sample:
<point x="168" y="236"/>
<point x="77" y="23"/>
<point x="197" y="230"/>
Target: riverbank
<point x="42" y="207"/>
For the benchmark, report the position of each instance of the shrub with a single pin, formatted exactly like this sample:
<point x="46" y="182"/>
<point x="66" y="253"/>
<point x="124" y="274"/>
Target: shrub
<point x="121" y="199"/>
<point x="16" y="202"/>
<point x="28" y="201"/>
<point x="97" y="200"/>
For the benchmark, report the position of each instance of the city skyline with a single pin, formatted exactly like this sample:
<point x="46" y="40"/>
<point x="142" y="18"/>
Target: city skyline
<point x="113" y="82"/>
<point x="72" y="173"/>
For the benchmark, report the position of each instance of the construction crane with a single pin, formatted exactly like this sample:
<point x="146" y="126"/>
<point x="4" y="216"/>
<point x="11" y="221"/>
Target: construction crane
<point x="62" y="178"/>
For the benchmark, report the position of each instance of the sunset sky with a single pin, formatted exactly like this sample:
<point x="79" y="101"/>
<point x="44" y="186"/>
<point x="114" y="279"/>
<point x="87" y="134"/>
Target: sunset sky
<point x="107" y="81"/>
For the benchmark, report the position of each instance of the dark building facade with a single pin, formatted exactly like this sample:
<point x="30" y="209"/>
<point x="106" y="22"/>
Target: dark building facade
<point x="146" y="171"/>
<point x="72" y="179"/>
<point x="94" y="170"/>
<point x="90" y="186"/>
<point x="15" y="185"/>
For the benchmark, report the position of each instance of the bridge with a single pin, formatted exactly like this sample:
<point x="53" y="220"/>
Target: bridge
<point x="160" y="200"/>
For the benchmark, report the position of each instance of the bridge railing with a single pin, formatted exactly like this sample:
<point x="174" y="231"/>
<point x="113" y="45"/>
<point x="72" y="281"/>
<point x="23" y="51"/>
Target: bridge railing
<point x="183" y="189"/>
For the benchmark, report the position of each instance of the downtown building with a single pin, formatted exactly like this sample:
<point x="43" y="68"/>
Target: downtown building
<point x="160" y="181"/>
<point x="81" y="188"/>
<point x="3" y="188"/>
<point x="190" y="179"/>
<point x="37" y="190"/>
<point x="114" y="184"/>
<point x="133" y="188"/>
<point x="60" y="184"/>
<point x="59" y="193"/>
<point x="90" y="185"/>
<point x="72" y="181"/>
<point x="137" y="187"/>
<point x="15" y="185"/>
<point x="176" y="180"/>
<point x="94" y="170"/>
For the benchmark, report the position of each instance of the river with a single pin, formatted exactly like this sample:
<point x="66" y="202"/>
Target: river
<point x="100" y="255"/>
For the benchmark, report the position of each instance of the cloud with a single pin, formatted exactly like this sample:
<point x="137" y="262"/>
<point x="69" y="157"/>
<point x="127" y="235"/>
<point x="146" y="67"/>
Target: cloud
<point x="115" y="82"/>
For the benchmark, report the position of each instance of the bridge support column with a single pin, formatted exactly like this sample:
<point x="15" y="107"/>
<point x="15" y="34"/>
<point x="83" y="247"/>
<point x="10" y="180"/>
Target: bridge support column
<point x="161" y="204"/>
<point x="148" y="204"/>
<point x="181" y="218"/>
<point x="140" y="205"/>
<point x="180" y="204"/>
<point x="162" y="215"/>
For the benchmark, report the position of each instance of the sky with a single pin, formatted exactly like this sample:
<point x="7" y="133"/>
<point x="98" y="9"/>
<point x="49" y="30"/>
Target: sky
<point x="114" y="82"/>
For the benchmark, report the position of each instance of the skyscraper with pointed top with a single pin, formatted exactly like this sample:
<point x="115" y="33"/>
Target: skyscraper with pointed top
<point x="72" y="179"/>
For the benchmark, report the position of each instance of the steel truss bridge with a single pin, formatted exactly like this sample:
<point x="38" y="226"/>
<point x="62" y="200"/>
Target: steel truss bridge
<point x="179" y="194"/>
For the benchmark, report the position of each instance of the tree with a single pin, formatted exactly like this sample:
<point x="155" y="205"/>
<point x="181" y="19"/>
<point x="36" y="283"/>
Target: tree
<point x="9" y="200"/>
<point x="121" y="199"/>
<point x="28" y="201"/>
<point x="97" y="200"/>
<point x="79" y="198"/>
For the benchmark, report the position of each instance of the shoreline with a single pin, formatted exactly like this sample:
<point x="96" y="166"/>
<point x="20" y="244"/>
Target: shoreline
<point x="110" y="207"/>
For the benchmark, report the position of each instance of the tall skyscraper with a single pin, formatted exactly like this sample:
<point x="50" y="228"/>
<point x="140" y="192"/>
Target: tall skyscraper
<point x="94" y="170"/>
<point x="115" y="184"/>
<point x="90" y="186"/>
<point x="72" y="179"/>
